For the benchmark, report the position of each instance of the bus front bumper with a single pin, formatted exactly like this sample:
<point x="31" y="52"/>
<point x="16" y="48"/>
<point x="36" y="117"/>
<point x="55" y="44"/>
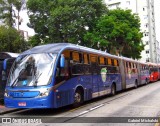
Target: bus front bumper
<point x="28" y="102"/>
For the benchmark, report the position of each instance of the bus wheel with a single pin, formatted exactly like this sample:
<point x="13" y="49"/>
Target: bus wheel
<point x="136" y="84"/>
<point x="113" y="90"/>
<point x="78" y="98"/>
<point x="146" y="81"/>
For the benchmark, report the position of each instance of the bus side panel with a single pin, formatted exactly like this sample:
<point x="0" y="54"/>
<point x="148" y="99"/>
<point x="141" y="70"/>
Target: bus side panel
<point x="86" y="82"/>
<point x="65" y="92"/>
<point x="143" y="76"/>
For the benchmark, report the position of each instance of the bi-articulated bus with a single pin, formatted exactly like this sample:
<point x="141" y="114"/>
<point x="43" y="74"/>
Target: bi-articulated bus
<point x="60" y="74"/>
<point x="6" y="61"/>
<point x="154" y="72"/>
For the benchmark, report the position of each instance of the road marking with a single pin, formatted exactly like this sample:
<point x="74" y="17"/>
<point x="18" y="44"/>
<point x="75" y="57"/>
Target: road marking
<point x="100" y="100"/>
<point x="96" y="107"/>
<point x="84" y="112"/>
<point x="89" y="110"/>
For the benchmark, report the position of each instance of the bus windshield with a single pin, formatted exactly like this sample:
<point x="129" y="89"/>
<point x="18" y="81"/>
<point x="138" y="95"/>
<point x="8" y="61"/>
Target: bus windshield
<point x="32" y="70"/>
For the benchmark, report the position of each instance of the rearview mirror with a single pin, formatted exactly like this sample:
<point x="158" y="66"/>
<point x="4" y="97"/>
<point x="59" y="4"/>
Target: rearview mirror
<point x="62" y="61"/>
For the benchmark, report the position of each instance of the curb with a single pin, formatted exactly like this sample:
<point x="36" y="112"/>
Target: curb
<point x="8" y="111"/>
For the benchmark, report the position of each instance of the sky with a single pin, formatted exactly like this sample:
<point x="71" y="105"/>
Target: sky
<point x="25" y="20"/>
<point x="31" y="32"/>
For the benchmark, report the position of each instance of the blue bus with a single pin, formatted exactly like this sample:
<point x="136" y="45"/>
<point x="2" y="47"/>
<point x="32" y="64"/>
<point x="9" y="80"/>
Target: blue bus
<point x="60" y="74"/>
<point x="6" y="61"/>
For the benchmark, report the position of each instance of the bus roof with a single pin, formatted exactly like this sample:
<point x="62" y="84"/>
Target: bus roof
<point x="59" y="47"/>
<point x="4" y="55"/>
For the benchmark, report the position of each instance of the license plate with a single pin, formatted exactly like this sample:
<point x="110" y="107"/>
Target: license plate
<point x="22" y="104"/>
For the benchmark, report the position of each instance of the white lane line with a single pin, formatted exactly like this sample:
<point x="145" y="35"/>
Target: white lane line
<point x="84" y="112"/>
<point x="96" y="107"/>
<point x="91" y="109"/>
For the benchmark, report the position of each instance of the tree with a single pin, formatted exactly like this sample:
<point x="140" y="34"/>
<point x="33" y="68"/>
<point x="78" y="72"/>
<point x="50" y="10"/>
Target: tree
<point x="64" y="20"/>
<point x="7" y="11"/>
<point x="11" y="40"/>
<point x="119" y="33"/>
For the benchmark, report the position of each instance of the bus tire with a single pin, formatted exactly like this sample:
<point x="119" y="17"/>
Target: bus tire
<point x="136" y="84"/>
<point x="78" y="98"/>
<point x="146" y="81"/>
<point x="113" y="89"/>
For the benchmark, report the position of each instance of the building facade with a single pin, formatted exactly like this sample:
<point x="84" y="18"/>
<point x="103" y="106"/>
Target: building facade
<point x="145" y="10"/>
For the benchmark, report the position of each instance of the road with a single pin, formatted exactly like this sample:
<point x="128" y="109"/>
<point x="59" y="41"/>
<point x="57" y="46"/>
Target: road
<point x="141" y="102"/>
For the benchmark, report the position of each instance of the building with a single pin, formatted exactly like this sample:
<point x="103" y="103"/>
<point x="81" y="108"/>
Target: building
<point x="145" y="10"/>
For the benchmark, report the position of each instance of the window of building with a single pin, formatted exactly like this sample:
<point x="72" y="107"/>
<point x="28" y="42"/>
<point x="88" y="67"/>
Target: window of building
<point x="147" y="43"/>
<point x="147" y="51"/>
<point x="146" y="25"/>
<point x="147" y="59"/>
<point x="128" y="2"/>
<point x="146" y="34"/>
<point x="145" y="16"/>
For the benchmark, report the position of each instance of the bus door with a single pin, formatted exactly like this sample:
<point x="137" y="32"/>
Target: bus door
<point x="94" y="70"/>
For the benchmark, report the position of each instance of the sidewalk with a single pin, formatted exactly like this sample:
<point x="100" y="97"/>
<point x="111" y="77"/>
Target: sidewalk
<point x="4" y="110"/>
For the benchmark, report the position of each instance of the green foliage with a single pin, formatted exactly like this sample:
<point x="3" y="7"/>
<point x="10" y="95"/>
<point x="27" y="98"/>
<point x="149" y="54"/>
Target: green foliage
<point x="34" y="41"/>
<point x="64" y="20"/>
<point x="11" y="40"/>
<point x="6" y="10"/>
<point x="118" y="32"/>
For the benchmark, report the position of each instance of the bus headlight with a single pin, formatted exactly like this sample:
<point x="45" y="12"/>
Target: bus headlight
<point x="44" y="93"/>
<point x="6" y="94"/>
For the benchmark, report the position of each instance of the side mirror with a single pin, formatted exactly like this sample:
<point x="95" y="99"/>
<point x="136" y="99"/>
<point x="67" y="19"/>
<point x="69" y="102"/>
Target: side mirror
<point x="62" y="61"/>
<point x="5" y="64"/>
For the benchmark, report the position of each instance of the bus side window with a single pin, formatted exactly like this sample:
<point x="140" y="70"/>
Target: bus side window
<point x="101" y="61"/>
<point x="63" y="73"/>
<point x="77" y="68"/>
<point x="94" y="64"/>
<point x="86" y="65"/>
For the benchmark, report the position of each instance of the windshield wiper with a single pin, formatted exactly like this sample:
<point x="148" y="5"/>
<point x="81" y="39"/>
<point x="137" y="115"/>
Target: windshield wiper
<point x="14" y="82"/>
<point x="36" y="80"/>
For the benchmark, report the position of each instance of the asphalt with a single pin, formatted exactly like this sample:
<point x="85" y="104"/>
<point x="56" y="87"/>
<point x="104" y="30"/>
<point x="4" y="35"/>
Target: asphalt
<point x="4" y="110"/>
